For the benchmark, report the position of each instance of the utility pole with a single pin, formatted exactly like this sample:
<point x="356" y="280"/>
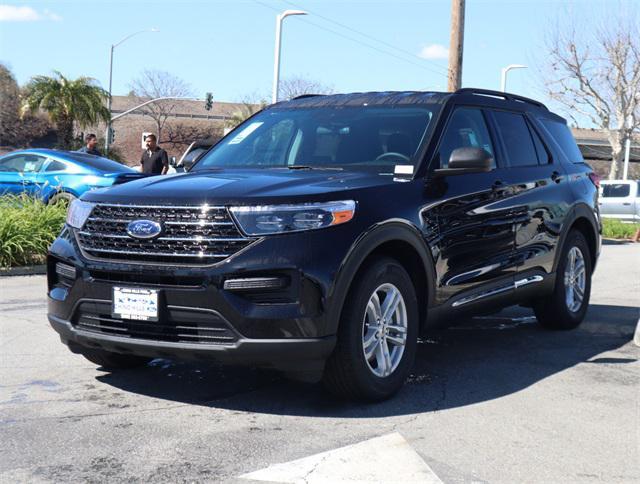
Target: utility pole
<point x="456" y="44"/>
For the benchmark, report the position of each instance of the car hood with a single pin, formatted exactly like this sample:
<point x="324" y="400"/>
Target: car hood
<point x="242" y="187"/>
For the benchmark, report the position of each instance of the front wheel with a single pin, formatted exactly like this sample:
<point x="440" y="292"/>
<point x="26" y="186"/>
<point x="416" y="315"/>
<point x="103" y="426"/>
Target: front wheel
<point x="377" y="336"/>
<point x="567" y="306"/>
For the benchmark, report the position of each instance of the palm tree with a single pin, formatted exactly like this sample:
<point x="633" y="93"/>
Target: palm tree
<point x="67" y="102"/>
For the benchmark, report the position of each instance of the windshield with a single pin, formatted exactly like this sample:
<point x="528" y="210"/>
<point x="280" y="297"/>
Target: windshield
<point x="340" y="137"/>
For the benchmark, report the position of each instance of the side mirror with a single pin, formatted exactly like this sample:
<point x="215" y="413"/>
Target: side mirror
<point x="172" y="161"/>
<point x="467" y="160"/>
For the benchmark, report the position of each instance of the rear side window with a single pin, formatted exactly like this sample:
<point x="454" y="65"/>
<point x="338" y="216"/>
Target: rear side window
<point x="614" y="190"/>
<point x="56" y="166"/>
<point x="517" y="139"/>
<point x="562" y="135"/>
<point x="541" y="151"/>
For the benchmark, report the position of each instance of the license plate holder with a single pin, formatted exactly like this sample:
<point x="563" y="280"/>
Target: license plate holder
<point x="135" y="303"/>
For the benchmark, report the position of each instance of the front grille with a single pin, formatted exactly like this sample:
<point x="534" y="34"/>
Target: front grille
<point x="178" y="325"/>
<point x="197" y="235"/>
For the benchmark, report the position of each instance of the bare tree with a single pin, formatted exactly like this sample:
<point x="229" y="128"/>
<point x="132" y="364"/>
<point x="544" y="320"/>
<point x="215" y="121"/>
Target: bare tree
<point x="181" y="135"/>
<point x="153" y="84"/>
<point x="297" y="86"/>
<point x="596" y="74"/>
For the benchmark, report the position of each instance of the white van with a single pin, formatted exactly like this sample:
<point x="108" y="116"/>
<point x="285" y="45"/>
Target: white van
<point x="620" y="199"/>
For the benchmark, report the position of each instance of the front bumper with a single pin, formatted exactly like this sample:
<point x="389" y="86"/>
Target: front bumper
<point x="308" y="354"/>
<point x="288" y="329"/>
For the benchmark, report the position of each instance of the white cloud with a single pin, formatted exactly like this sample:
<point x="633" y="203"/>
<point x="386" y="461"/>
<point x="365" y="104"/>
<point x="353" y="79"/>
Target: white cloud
<point x="13" y="13"/>
<point x="434" y="51"/>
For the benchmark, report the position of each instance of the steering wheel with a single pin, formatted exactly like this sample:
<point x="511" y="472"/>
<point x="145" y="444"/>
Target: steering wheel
<point x="392" y="153"/>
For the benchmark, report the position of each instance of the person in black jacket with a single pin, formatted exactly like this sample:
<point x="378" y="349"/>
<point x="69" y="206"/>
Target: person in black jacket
<point x="154" y="160"/>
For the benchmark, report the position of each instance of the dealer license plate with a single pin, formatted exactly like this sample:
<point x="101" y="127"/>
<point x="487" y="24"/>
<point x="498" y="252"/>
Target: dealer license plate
<point x="135" y="303"/>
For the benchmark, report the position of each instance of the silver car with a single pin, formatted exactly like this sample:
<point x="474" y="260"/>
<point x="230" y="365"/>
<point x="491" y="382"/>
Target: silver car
<point x="620" y="199"/>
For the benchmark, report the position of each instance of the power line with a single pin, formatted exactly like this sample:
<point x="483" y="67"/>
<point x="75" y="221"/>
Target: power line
<point x="406" y="52"/>
<point x="355" y="40"/>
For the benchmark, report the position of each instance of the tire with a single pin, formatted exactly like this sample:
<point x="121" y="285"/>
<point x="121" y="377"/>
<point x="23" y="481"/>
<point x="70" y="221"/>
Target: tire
<point x="564" y="309"/>
<point x="114" y="361"/>
<point x="61" y="197"/>
<point x="348" y="373"/>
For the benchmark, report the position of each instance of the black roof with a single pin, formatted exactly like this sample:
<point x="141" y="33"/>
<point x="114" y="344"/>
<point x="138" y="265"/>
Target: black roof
<point x="392" y="98"/>
<point x="366" y="98"/>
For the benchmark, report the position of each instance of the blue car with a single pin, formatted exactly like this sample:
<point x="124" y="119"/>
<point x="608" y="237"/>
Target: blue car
<point x="53" y="175"/>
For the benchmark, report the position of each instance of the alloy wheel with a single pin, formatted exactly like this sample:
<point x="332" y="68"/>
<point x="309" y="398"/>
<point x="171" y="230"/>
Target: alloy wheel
<point x="384" y="330"/>
<point x="574" y="279"/>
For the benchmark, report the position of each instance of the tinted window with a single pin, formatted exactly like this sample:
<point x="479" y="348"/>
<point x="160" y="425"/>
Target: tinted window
<point x="98" y="163"/>
<point x="26" y="163"/>
<point x="324" y="136"/>
<point x="56" y="166"/>
<point x="562" y="135"/>
<point x="466" y="128"/>
<point x="517" y="139"/>
<point x="541" y="150"/>
<point x="616" y="190"/>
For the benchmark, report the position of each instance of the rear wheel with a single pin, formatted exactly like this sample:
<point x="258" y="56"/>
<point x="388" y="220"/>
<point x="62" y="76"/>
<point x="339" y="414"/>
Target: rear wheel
<point x="567" y="306"/>
<point x="377" y="336"/>
<point x="114" y="361"/>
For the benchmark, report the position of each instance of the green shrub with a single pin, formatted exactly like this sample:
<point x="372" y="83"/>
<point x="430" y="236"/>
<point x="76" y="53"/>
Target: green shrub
<point x="616" y="229"/>
<point x="27" y="229"/>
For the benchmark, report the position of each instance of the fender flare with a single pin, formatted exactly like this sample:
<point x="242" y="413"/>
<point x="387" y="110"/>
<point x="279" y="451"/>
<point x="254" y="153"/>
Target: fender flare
<point x="578" y="211"/>
<point x="390" y="231"/>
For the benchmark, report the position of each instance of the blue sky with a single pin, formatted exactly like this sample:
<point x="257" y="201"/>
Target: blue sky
<point x="226" y="47"/>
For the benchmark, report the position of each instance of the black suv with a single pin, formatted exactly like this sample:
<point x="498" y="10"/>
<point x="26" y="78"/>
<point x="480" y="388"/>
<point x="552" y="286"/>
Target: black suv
<point x="322" y="235"/>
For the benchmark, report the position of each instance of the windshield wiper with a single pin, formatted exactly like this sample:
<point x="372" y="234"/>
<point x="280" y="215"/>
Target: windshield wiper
<point x="306" y="167"/>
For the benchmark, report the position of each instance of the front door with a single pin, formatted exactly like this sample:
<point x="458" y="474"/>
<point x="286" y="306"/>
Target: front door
<point x="18" y="174"/>
<point x="475" y="244"/>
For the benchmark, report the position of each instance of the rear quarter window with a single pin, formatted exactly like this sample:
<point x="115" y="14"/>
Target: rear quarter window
<point x="562" y="135"/>
<point x="616" y="190"/>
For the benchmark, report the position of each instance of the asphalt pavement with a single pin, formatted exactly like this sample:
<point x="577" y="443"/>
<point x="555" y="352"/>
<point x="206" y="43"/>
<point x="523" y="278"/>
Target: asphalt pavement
<point x="493" y="399"/>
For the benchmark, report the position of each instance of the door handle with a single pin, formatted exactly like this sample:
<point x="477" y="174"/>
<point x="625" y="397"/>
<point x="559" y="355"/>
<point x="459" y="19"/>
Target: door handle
<point x="555" y="176"/>
<point x="626" y="203"/>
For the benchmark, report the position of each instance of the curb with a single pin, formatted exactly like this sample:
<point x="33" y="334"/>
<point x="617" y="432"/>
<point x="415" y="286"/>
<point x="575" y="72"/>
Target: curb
<point x="24" y="271"/>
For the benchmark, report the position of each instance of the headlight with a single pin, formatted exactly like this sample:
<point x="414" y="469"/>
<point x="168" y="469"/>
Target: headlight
<point x="78" y="213"/>
<point x="277" y="219"/>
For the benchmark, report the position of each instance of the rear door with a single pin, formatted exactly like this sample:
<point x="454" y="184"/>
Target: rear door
<point x="474" y="254"/>
<point x="539" y="190"/>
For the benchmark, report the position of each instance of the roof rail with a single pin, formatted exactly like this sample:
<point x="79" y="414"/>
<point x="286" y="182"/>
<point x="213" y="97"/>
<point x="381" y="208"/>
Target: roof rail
<point x="505" y="95"/>
<point x="302" y="96"/>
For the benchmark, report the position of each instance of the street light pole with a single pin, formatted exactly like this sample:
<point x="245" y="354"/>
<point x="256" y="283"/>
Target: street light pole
<point x="503" y="80"/>
<point x="276" y="62"/>
<point x="113" y="46"/>
<point x="627" y="148"/>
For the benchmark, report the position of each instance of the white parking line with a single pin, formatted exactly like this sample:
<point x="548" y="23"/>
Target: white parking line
<point x="388" y="458"/>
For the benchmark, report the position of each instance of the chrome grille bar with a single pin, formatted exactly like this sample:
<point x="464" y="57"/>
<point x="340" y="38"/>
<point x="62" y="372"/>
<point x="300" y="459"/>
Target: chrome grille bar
<point x="191" y="235"/>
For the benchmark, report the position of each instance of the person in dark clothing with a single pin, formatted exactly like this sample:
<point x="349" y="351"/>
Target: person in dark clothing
<point x="154" y="160"/>
<point x="90" y="147"/>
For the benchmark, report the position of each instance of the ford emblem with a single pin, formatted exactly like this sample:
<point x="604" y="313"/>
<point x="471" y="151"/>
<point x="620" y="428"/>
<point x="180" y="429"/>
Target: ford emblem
<point x="144" y="229"/>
